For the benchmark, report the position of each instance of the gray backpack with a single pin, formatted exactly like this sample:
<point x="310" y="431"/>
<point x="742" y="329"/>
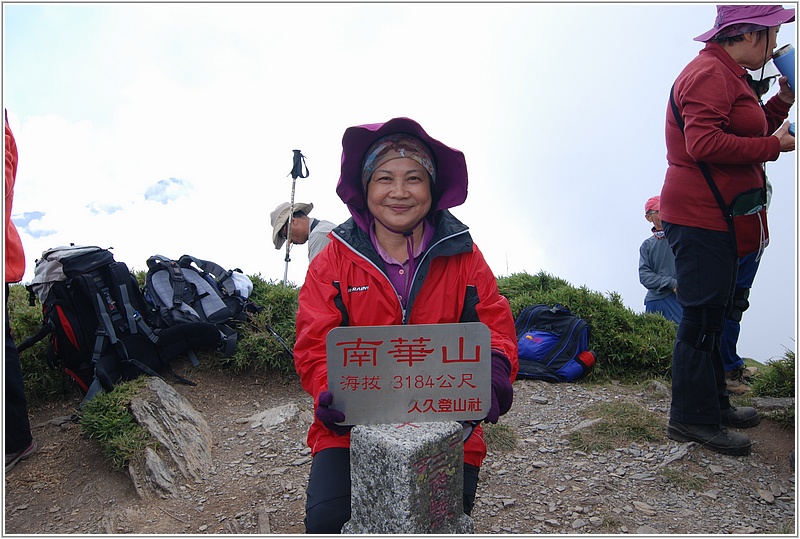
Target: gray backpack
<point x="193" y="290"/>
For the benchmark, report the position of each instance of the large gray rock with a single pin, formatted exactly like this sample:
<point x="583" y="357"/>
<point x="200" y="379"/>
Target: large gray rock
<point x="184" y="439"/>
<point x="407" y="479"/>
<point x="771" y="404"/>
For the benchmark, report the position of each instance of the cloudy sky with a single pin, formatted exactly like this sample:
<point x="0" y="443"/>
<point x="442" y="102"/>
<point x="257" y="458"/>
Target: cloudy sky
<point x="169" y="129"/>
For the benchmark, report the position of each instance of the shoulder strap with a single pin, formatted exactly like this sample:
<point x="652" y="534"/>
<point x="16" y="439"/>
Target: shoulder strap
<point x="177" y="278"/>
<point x="702" y="164"/>
<point x="221" y="275"/>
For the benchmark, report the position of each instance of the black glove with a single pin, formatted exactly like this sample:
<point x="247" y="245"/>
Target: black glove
<point x="328" y="416"/>
<point x="502" y="392"/>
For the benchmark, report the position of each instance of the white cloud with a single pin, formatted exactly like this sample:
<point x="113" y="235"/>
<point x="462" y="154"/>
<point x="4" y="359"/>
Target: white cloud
<point x="561" y="122"/>
<point x="166" y="191"/>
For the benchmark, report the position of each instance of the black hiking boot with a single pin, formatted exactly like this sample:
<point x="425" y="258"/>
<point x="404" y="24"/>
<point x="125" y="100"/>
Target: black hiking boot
<point x="740" y="418"/>
<point x="715" y="437"/>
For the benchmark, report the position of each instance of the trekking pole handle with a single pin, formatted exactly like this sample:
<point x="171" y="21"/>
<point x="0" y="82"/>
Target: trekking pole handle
<point x="298" y="165"/>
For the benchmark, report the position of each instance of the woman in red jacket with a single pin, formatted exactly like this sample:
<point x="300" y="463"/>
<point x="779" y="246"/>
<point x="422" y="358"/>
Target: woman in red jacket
<point x="727" y="128"/>
<point x="402" y="258"/>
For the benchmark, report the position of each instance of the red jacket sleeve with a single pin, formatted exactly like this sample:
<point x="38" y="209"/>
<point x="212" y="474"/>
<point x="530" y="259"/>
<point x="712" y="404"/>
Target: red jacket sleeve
<point x="316" y="316"/>
<point x="495" y="311"/>
<point x="15" y="255"/>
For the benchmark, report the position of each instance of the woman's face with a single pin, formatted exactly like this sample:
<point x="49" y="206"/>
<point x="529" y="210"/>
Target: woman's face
<point x="761" y="52"/>
<point x="399" y="194"/>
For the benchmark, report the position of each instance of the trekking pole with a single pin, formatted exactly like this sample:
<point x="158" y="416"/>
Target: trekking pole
<point x="298" y="164"/>
<point x="280" y="340"/>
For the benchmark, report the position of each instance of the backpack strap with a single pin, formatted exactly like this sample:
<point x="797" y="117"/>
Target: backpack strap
<point x="177" y="277"/>
<point x="120" y="278"/>
<point x="115" y="311"/>
<point x="701" y="164"/>
<point x="229" y="338"/>
<point x="43" y="332"/>
<point x="220" y="274"/>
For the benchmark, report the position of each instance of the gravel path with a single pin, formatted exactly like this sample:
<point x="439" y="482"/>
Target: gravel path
<point x="543" y="486"/>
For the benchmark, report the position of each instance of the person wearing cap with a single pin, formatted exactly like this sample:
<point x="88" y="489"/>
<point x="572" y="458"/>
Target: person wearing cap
<point x="402" y="258"/>
<point x="657" y="268"/>
<point x="725" y="126"/>
<point x="300" y="228"/>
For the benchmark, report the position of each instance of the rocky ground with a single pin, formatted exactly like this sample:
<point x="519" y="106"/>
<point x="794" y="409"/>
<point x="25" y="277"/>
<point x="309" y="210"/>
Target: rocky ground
<point x="544" y="485"/>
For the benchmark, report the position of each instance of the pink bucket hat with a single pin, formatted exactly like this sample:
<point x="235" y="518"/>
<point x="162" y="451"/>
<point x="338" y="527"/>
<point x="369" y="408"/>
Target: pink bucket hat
<point x="450" y="166"/>
<point x="653" y="203"/>
<point x="764" y="15"/>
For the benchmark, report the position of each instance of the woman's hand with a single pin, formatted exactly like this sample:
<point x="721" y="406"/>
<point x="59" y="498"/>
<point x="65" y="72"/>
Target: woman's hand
<point x="329" y="416"/>
<point x="785" y="93"/>
<point x="785" y="138"/>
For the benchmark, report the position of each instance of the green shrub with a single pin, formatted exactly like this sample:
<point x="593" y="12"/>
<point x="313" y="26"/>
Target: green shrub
<point x="257" y="345"/>
<point x="776" y="379"/>
<point x="107" y="419"/>
<point x="628" y="346"/>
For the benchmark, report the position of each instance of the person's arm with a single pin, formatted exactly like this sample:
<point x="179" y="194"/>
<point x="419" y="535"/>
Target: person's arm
<point x="316" y="316"/>
<point x="777" y="108"/>
<point x="494" y="311"/>
<point x="705" y="101"/>
<point x="649" y="274"/>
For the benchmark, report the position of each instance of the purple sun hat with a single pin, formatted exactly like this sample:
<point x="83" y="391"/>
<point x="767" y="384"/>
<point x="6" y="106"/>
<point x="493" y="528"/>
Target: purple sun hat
<point x="764" y="15"/>
<point x="451" y="166"/>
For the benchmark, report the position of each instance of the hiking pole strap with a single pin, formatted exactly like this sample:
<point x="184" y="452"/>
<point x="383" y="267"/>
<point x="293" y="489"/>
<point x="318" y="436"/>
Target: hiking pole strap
<point x="298" y="165"/>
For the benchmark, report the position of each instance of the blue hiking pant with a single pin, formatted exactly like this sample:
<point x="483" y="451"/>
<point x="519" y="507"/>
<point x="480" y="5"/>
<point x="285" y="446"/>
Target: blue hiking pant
<point x="669" y="307"/>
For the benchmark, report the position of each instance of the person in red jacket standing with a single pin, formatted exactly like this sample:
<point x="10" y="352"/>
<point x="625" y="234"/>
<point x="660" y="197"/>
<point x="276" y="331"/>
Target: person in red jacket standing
<point x="18" y="439"/>
<point x="402" y="258"/>
<point x="727" y="128"/>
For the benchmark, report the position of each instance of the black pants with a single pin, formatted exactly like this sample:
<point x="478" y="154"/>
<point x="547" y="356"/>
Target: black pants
<point x="328" y="493"/>
<point x="18" y="427"/>
<point x="706" y="264"/>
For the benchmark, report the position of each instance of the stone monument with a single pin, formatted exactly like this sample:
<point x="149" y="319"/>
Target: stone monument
<point x="407" y="479"/>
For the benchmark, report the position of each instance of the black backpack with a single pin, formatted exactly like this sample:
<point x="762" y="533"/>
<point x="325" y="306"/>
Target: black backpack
<point x="553" y="344"/>
<point x="98" y="322"/>
<point x="194" y="290"/>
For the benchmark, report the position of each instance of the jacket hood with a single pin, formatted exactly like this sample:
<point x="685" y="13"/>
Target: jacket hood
<point x="451" y="166"/>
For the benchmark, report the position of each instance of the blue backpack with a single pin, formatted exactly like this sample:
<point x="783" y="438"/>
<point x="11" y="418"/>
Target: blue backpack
<point x="553" y="344"/>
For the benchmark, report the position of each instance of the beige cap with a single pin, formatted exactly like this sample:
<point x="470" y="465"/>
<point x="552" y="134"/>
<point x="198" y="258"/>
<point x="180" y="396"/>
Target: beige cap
<point x="280" y="216"/>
